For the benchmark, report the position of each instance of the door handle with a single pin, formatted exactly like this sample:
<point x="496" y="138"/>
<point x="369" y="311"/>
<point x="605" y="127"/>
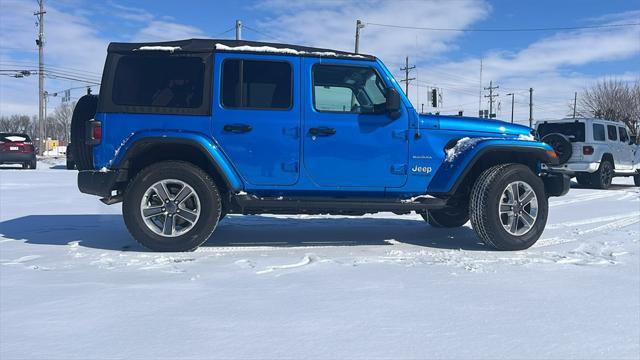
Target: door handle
<point x="237" y="128"/>
<point x="322" y="131"/>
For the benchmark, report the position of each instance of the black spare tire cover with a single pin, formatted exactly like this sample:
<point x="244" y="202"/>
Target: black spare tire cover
<point x="560" y="144"/>
<point x="84" y="111"/>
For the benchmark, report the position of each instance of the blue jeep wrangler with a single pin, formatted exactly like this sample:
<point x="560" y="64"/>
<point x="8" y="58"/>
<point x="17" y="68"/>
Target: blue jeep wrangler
<point x="186" y="132"/>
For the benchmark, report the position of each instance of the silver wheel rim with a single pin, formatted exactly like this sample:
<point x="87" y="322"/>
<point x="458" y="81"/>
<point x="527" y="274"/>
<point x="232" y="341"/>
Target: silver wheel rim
<point x="518" y="208"/>
<point x="170" y="208"/>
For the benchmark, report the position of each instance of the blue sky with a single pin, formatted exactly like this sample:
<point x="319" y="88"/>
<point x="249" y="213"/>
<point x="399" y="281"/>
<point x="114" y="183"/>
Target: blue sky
<point x="554" y="63"/>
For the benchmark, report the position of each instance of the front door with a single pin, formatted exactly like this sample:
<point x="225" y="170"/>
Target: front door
<point x="256" y="116"/>
<point x="349" y="140"/>
<point x="626" y="150"/>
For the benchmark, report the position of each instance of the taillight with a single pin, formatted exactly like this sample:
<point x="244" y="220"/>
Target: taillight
<point x="587" y="150"/>
<point x="95" y="132"/>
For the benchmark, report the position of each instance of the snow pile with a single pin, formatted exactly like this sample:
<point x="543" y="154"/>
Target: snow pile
<point x="288" y="51"/>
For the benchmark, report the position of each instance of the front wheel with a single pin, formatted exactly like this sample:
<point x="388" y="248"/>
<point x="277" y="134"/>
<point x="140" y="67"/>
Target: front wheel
<point x="171" y="206"/>
<point x="509" y="207"/>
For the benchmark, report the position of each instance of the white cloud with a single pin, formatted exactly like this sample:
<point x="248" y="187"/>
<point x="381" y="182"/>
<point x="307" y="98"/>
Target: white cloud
<point x="331" y="24"/>
<point x="158" y="30"/>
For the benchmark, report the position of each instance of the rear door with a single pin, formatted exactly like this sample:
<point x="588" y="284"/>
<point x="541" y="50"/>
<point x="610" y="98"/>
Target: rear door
<point x="348" y="138"/>
<point x="626" y="150"/>
<point x="256" y="115"/>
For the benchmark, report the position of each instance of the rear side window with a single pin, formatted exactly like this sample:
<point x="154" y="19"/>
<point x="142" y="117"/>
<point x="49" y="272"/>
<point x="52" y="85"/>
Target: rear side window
<point x="612" y="132"/>
<point x="159" y="81"/>
<point x="256" y="84"/>
<point x="598" y="132"/>
<point x="624" y="137"/>
<point x="573" y="130"/>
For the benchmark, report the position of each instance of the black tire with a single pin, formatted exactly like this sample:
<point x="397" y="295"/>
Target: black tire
<point x="486" y="197"/>
<point x="202" y="184"/>
<point x="636" y="179"/>
<point x="25" y="165"/>
<point x="584" y="179"/>
<point x="447" y="218"/>
<point x="84" y="111"/>
<point x="33" y="164"/>
<point x="70" y="165"/>
<point x="561" y="145"/>
<point x="602" y="178"/>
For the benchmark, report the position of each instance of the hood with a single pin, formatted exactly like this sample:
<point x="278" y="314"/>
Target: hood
<point x="463" y="123"/>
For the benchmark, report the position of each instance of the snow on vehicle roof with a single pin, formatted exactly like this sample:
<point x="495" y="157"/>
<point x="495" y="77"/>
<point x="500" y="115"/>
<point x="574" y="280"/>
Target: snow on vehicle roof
<point x="281" y="50"/>
<point x="159" y="48"/>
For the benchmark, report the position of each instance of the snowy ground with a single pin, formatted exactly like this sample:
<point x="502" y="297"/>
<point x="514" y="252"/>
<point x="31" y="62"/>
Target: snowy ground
<point x="74" y="285"/>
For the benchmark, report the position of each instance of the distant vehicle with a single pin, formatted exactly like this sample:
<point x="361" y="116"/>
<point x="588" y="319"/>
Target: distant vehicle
<point x="71" y="165"/>
<point x="592" y="150"/>
<point x="17" y="148"/>
<point x="185" y="132"/>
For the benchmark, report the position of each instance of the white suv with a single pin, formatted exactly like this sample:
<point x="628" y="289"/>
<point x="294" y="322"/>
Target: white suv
<point x="592" y="150"/>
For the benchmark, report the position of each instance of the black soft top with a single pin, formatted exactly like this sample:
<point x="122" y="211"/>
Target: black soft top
<point x="209" y="46"/>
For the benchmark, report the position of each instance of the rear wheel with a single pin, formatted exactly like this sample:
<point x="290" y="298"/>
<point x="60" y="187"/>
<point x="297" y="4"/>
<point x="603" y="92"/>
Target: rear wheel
<point x="602" y="178"/>
<point x="25" y="165"/>
<point x="447" y="218"/>
<point x="509" y="207"/>
<point x="171" y="206"/>
<point x="636" y="179"/>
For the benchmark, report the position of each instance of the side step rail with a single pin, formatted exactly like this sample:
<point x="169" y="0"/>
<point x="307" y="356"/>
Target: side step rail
<point x="249" y="204"/>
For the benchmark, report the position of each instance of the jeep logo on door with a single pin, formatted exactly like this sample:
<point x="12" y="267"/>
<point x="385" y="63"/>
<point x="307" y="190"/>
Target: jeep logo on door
<point x="421" y="169"/>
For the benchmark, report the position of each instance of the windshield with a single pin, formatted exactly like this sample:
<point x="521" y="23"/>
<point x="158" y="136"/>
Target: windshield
<point x="573" y="130"/>
<point x="14" y="138"/>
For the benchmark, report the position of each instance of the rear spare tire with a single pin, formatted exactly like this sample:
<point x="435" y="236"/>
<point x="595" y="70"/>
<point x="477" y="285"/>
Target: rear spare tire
<point x="561" y="145"/>
<point x="84" y="111"/>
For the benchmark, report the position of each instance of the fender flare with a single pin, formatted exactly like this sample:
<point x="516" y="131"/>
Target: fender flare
<point x="452" y="173"/>
<point x="136" y="142"/>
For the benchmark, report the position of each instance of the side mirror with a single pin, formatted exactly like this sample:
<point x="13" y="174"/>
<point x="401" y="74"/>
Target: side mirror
<point x="633" y="140"/>
<point x="393" y="103"/>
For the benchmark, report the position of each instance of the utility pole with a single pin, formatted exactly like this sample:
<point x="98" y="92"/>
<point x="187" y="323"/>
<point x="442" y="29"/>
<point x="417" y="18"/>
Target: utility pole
<point x="575" y="102"/>
<point x="491" y="96"/>
<point x="238" y="30"/>
<point x="406" y="79"/>
<point x="40" y="42"/>
<point x="530" y="107"/>
<point x="359" y="25"/>
<point x="422" y="111"/>
<point x="512" y="98"/>
<point x="480" y="92"/>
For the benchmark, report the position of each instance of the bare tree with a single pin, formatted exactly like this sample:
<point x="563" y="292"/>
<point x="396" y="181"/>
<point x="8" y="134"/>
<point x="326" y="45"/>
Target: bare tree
<point x="613" y="100"/>
<point x="17" y="124"/>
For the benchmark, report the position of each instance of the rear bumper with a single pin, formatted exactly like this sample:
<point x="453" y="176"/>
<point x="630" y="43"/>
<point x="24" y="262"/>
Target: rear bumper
<point x="556" y="184"/>
<point x="576" y="167"/>
<point x="16" y="157"/>
<point x="96" y="182"/>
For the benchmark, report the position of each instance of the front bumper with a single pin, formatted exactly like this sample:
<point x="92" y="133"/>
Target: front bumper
<point x="16" y="157"/>
<point x="556" y="184"/>
<point x="100" y="183"/>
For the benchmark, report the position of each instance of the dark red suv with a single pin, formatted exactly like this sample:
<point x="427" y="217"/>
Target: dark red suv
<point x="17" y="149"/>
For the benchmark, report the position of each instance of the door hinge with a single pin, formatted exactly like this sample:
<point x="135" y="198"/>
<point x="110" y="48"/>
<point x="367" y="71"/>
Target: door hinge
<point x="401" y="134"/>
<point x="290" y="166"/>
<point x="399" y="169"/>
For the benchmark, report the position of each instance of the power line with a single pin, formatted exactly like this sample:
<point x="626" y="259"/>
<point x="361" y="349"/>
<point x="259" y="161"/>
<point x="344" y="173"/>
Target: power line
<point x="260" y="32"/>
<point x="506" y="29"/>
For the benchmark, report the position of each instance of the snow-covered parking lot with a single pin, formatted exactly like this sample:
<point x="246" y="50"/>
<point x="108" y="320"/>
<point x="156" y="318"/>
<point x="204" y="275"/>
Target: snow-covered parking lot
<point x="74" y="285"/>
